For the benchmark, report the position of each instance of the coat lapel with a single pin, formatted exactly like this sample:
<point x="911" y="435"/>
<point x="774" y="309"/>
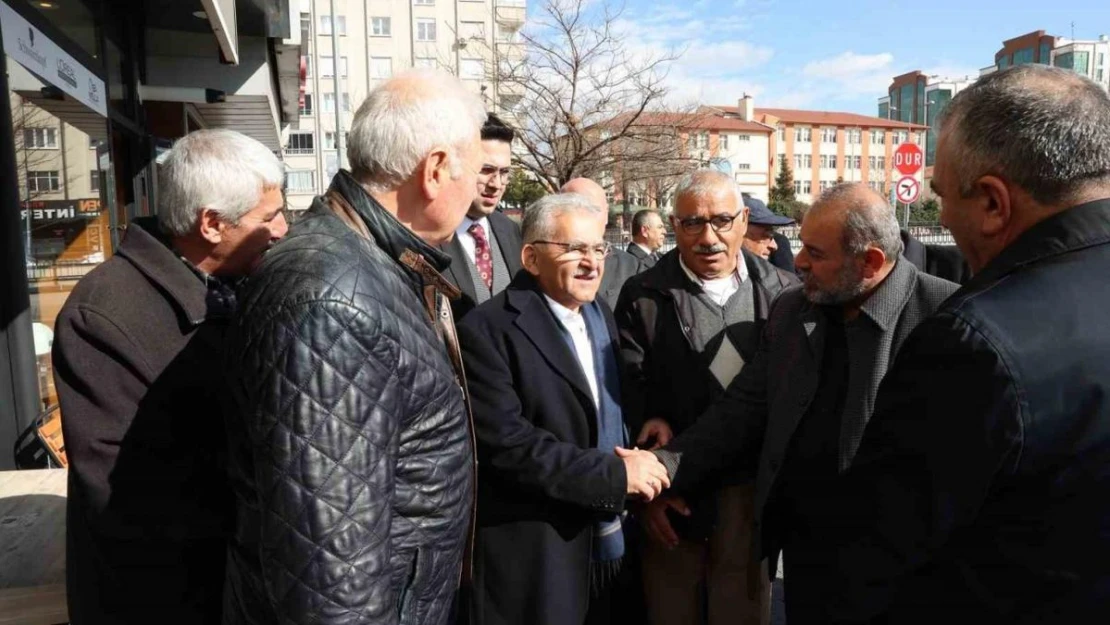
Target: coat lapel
<point x="506" y="241"/>
<point x="458" y="271"/>
<point x="538" y="323"/>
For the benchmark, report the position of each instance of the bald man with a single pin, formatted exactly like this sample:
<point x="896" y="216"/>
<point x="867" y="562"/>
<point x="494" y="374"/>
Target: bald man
<point x="619" y="265"/>
<point x="801" y="404"/>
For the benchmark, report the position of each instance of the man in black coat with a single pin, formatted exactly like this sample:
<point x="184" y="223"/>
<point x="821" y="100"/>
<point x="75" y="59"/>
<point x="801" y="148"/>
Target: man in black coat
<point x="619" y="264"/>
<point x="352" y="457"/>
<point x="761" y="238"/>
<point x="544" y="376"/>
<point x="136" y="361"/>
<point x="942" y="261"/>
<point x="485" y="251"/>
<point x="981" y="489"/>
<point x="794" y="415"/>
<point x="649" y="233"/>
<point x="687" y="327"/>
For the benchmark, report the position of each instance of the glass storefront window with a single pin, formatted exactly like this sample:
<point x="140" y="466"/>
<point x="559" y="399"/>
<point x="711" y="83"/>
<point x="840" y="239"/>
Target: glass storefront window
<point x="63" y="169"/>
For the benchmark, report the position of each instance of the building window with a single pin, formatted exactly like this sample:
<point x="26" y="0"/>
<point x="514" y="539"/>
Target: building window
<point x="1099" y="75"/>
<point x="877" y="162"/>
<point x="300" y="143"/>
<point x="425" y="61"/>
<point x="825" y="185"/>
<point x="424" y="3"/>
<point x="381" y="67"/>
<point x="876" y="185"/>
<point x="803" y="161"/>
<point x="743" y="137"/>
<point x="803" y="187"/>
<point x="802" y="134"/>
<point x="1023" y="56"/>
<point x="327" y="67"/>
<point x="782" y="134"/>
<point x="381" y="26"/>
<point x="340" y="22"/>
<point x="40" y="138"/>
<point x="828" y="135"/>
<point x="94" y="180"/>
<point x="1082" y="63"/>
<point x="878" y="137"/>
<point x="1046" y="52"/>
<point x="425" y="30"/>
<point x="471" y="69"/>
<point x="853" y="162"/>
<point x="300" y="181"/>
<point x="307" y="66"/>
<point x="329" y="102"/>
<point x="744" y="166"/>
<point x="347" y="103"/>
<point x="1004" y="61"/>
<point x="306" y="26"/>
<point x="723" y="141"/>
<point x="472" y="30"/>
<point x="43" y="181"/>
<point x="306" y="108"/>
<point x="828" y="161"/>
<point x="854" y="135"/>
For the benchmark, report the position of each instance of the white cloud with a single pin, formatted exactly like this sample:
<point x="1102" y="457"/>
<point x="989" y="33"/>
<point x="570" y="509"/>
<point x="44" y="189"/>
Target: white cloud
<point x="854" y="74"/>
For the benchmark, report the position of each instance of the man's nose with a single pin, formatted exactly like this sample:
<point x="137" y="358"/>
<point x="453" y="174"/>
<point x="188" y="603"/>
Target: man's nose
<point x="278" y="227"/>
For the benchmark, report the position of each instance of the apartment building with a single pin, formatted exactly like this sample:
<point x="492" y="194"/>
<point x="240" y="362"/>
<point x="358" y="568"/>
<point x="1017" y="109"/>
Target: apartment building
<point x="824" y="147"/>
<point x="374" y="40"/>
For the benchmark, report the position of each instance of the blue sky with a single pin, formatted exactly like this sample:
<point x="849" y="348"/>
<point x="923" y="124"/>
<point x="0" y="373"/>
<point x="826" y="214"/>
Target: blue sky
<point x="837" y="55"/>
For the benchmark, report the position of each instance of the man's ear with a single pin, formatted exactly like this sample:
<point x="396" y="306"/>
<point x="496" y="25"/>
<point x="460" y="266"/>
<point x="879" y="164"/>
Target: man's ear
<point x="435" y="172"/>
<point x="997" y="205"/>
<point x="211" y="226"/>
<point x="529" y="259"/>
<point x="873" y="261"/>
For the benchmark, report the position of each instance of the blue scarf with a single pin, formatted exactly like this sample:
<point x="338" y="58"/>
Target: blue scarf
<point x="608" y="538"/>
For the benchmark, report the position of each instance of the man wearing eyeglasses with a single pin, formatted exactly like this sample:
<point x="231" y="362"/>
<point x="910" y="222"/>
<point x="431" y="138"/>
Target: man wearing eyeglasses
<point x="485" y="251"/>
<point x="545" y="386"/>
<point x="619" y="264"/>
<point x="687" y="327"/>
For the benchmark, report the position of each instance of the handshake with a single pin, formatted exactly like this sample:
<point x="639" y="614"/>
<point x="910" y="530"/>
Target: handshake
<point x="646" y="475"/>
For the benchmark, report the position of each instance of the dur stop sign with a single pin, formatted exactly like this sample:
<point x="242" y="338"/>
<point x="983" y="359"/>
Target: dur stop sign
<point x="908" y="159"/>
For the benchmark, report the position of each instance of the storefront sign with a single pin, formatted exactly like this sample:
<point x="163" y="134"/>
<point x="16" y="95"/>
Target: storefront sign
<point x="32" y="49"/>
<point x="53" y="210"/>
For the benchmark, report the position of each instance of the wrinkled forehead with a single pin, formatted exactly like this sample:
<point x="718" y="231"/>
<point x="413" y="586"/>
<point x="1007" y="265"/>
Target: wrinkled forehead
<point x="579" y="227"/>
<point x="710" y="203"/>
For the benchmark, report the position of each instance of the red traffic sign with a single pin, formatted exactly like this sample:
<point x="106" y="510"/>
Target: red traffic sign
<point x="909" y="159"/>
<point x="907" y="189"/>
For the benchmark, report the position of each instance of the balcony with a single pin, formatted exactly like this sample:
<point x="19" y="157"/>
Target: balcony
<point x="510" y="13"/>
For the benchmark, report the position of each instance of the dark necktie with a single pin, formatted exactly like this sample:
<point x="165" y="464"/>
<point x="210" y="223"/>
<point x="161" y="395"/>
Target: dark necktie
<point x="482" y="258"/>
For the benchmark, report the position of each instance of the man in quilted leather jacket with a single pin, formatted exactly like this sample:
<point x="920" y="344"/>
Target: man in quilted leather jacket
<point x="352" y="454"/>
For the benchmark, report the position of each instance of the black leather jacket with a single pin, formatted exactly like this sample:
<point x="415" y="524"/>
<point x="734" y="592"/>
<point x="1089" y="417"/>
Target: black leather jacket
<point x="351" y="452"/>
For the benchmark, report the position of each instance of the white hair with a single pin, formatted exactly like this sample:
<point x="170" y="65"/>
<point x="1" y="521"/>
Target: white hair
<point x="540" y="216"/>
<point x="705" y="182"/>
<point x="404" y="119"/>
<point x="220" y="170"/>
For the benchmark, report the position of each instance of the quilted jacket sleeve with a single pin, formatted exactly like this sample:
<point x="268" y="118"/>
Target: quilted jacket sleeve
<point x="325" y="420"/>
<point x="534" y="457"/>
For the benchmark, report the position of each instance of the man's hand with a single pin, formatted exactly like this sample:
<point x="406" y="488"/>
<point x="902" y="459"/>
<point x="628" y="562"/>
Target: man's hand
<point x="646" y="476"/>
<point x="657" y="429"/>
<point x="655" y="521"/>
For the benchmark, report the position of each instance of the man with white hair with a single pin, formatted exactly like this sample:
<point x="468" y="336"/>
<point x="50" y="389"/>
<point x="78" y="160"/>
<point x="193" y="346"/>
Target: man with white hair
<point x="352" y="455"/>
<point x="136" y="361"/>
<point x="688" y="325"/>
<point x="544" y="375"/>
<point x="794" y="416"/>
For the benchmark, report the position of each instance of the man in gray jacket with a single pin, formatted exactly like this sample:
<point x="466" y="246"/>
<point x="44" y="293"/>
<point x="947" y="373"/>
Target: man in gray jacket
<point x="796" y="413"/>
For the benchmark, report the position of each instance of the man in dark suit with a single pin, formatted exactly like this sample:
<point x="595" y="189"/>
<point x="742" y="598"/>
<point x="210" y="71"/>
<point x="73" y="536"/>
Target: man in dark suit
<point x="649" y="233"/>
<point x="982" y="485"/>
<point x="485" y="251"/>
<point x="761" y="238"/>
<point x="690" y="323"/>
<point x="543" y="373"/>
<point x="942" y="261"/>
<point x="795" y="414"/>
<point x="619" y="264"/>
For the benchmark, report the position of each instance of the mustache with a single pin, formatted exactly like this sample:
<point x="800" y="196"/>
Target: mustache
<point x="710" y="249"/>
<point x="586" y="273"/>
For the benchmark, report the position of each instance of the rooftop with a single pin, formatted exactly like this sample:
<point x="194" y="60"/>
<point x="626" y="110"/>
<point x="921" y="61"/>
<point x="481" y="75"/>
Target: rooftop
<point x="822" y="118"/>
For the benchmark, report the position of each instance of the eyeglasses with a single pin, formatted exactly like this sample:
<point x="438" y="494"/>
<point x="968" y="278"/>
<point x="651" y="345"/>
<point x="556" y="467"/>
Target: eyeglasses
<point x="578" y="251"/>
<point x="487" y="171"/>
<point x="720" y="223"/>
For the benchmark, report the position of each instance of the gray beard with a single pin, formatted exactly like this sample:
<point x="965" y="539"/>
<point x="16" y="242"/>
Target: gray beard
<point x="848" y="287"/>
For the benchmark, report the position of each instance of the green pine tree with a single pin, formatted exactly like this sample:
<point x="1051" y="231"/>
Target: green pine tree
<point x="782" y="194"/>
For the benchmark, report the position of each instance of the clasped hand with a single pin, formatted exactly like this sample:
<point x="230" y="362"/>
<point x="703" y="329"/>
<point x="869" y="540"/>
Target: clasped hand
<point x="646" y="475"/>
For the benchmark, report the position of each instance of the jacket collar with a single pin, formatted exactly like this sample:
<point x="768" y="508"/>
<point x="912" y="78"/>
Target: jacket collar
<point x="147" y="248"/>
<point x="1076" y="228"/>
<point x="886" y="303"/>
<point x="536" y="320"/>
<point x="667" y="276"/>
<point x="389" y="234"/>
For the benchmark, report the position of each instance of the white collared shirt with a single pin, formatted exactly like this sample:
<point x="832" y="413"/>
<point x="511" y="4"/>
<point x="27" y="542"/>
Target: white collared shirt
<point x="575" y="324"/>
<point x="720" y="289"/>
<point x="645" y="248"/>
<point x="467" y="240"/>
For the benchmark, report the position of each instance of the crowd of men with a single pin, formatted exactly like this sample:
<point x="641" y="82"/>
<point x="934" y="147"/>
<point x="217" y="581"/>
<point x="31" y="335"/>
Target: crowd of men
<point x="407" y="408"/>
